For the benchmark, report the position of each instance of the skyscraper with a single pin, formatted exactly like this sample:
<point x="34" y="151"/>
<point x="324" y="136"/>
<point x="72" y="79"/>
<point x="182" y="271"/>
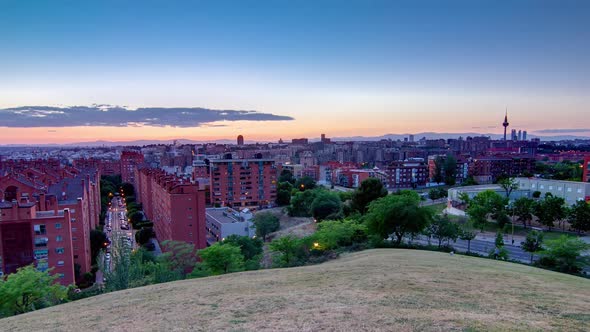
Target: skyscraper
<point x="524" y="135"/>
<point x="240" y="140"/>
<point x="513" y="135"/>
<point x="520" y="135"/>
<point x="505" y="123"/>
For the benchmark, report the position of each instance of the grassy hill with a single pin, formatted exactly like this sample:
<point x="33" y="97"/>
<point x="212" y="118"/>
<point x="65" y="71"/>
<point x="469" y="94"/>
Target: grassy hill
<point x="391" y="289"/>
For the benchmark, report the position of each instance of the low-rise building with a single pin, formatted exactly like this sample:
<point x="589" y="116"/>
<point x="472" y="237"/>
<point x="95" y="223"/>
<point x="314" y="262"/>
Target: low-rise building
<point x="223" y="222"/>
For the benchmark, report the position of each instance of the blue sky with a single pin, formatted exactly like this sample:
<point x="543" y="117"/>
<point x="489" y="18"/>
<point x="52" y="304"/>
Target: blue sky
<point x="400" y="62"/>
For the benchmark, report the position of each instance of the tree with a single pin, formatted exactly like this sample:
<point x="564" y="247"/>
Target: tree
<point x="438" y="176"/>
<point x="286" y="176"/>
<point x="499" y="241"/>
<point x="397" y="215"/>
<point x="98" y="241"/>
<point x="536" y="194"/>
<point x="550" y="209"/>
<point x="136" y="217"/>
<point x="251" y="249"/>
<point x="128" y="189"/>
<point x="144" y="235"/>
<point x="565" y="254"/>
<point x="266" y="223"/>
<point x="485" y="204"/>
<point x="443" y="229"/>
<point x="180" y="256"/>
<point x="326" y="205"/>
<point x="284" y="193"/>
<point x="450" y="170"/>
<point x="301" y="203"/>
<point x="523" y="209"/>
<point x="467" y="233"/>
<point x="305" y="183"/>
<point x="29" y="289"/>
<point x="508" y="185"/>
<point x="290" y="251"/>
<point x="533" y="243"/>
<point x="222" y="258"/>
<point x="370" y="190"/>
<point x="579" y="216"/>
<point x="332" y="234"/>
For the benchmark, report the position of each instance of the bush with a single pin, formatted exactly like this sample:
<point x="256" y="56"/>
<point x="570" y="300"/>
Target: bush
<point x="332" y="234"/>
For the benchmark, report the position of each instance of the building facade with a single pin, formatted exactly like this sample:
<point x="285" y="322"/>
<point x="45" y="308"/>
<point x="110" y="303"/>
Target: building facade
<point x="243" y="182"/>
<point x="174" y="205"/>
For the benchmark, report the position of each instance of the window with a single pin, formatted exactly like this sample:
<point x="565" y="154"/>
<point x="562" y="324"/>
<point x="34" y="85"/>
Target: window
<point x="59" y="250"/>
<point x="58" y="238"/>
<point x="39" y="229"/>
<point x="61" y="275"/>
<point x="73" y="219"/>
<point x="569" y="190"/>
<point x="41" y="242"/>
<point x="40" y="253"/>
<point x="74" y="229"/>
<point x="57" y="225"/>
<point x="60" y="263"/>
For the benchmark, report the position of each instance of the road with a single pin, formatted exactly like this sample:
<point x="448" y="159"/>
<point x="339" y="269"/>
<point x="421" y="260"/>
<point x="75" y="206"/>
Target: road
<point x="483" y="247"/>
<point x="115" y="219"/>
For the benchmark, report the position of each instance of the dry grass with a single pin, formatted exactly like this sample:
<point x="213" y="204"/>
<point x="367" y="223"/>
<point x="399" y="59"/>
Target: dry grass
<point x="395" y="290"/>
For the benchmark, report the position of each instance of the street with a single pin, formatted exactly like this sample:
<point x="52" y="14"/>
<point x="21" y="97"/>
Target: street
<point x="118" y="231"/>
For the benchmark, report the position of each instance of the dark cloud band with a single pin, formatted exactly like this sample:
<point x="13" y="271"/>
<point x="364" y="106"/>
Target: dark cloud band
<point x="115" y="116"/>
<point x="562" y="131"/>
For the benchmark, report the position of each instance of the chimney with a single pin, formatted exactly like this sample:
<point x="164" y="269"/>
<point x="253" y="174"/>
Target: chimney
<point x="42" y="202"/>
<point x="67" y="214"/>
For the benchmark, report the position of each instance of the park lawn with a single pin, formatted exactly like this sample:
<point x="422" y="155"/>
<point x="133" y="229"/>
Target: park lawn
<point x="372" y="290"/>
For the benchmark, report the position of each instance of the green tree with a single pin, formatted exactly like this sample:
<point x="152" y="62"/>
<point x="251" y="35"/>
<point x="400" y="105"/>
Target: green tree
<point x="565" y="254"/>
<point x="144" y="235"/>
<point x="499" y="242"/>
<point x="222" y="258"/>
<point x="508" y="185"/>
<point x="251" y="249"/>
<point x="450" y="170"/>
<point x="550" y="209"/>
<point x="301" y="203"/>
<point x="136" y="217"/>
<point x="265" y="223"/>
<point x="180" y="256"/>
<point x="438" y="176"/>
<point x="442" y="229"/>
<point x="467" y="233"/>
<point x="370" y="190"/>
<point x="290" y="250"/>
<point x="284" y="193"/>
<point x="128" y="189"/>
<point x="29" y="289"/>
<point x="484" y="205"/>
<point x="305" y="183"/>
<point x="523" y="209"/>
<point x="533" y="243"/>
<point x="397" y="215"/>
<point x="326" y="205"/>
<point x="579" y="216"/>
<point x="332" y="234"/>
<point x="98" y="241"/>
<point x="287" y="176"/>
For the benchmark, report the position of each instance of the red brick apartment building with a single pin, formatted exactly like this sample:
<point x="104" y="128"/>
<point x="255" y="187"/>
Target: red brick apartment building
<point x="243" y="182"/>
<point x="406" y="174"/>
<point x="106" y="167"/>
<point x="174" y="205"/>
<point x="43" y="238"/>
<point x="488" y="169"/>
<point x="74" y="190"/>
<point x="130" y="160"/>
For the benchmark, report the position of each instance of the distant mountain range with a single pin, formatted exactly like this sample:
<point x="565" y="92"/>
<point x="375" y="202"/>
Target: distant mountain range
<point x="417" y="136"/>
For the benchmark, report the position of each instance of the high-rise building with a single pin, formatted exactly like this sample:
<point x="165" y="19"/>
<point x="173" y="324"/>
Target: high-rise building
<point x="129" y="162"/>
<point x="411" y="138"/>
<point x="524" y="135"/>
<point x="513" y="135"/>
<point x="520" y="135"/>
<point x="243" y="182"/>
<point x="240" y="140"/>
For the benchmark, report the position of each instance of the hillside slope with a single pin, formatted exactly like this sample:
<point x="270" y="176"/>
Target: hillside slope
<point x="372" y="290"/>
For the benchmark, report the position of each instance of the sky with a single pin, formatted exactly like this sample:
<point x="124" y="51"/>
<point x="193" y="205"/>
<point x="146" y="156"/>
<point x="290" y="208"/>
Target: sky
<point x="287" y="69"/>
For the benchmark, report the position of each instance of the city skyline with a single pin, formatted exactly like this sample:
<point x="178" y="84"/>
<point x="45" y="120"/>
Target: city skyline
<point x="352" y="69"/>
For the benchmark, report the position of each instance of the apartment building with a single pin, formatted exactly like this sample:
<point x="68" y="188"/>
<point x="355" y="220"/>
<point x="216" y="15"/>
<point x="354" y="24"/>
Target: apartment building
<point x="243" y="182"/>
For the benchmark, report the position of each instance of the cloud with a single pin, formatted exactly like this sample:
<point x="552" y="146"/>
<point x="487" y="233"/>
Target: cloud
<point x="117" y="116"/>
<point x="562" y="130"/>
